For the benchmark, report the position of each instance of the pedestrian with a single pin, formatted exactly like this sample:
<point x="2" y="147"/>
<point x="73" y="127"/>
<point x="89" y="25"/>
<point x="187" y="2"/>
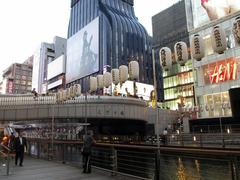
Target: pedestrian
<point x="20" y="144"/>
<point x="88" y="142"/>
<point x="165" y="132"/>
<point x="35" y="94"/>
<point x="11" y="141"/>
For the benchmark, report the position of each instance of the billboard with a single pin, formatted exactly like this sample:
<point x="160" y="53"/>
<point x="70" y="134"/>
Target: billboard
<point x="83" y="52"/>
<point x="205" y="11"/>
<point x="143" y="90"/>
<point x="56" y="67"/>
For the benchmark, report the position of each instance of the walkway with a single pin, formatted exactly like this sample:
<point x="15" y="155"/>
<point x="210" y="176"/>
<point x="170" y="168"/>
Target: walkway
<point x="36" y="169"/>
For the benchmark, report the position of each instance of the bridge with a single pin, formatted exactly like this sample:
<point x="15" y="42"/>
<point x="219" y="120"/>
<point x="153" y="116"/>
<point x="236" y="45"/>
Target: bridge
<point x="107" y="109"/>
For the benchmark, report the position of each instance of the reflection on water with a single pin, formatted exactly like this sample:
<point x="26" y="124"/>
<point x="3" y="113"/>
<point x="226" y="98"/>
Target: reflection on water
<point x="189" y="168"/>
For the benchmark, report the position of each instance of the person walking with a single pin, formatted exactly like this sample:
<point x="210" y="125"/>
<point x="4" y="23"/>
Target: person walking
<point x="20" y="144"/>
<point x="165" y="133"/>
<point x="88" y="142"/>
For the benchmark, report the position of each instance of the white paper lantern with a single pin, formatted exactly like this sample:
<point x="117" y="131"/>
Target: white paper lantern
<point x="68" y="93"/>
<point x="93" y="84"/>
<point x="219" y="41"/>
<point x="197" y="47"/>
<point x="64" y="95"/>
<point x="134" y="70"/>
<point x="123" y="73"/>
<point x="107" y="79"/>
<point x="72" y="93"/>
<point x="181" y="53"/>
<point x="115" y="76"/>
<point x="165" y="55"/>
<point x="100" y="81"/>
<point x="236" y="30"/>
<point x="77" y="89"/>
<point x="60" y="96"/>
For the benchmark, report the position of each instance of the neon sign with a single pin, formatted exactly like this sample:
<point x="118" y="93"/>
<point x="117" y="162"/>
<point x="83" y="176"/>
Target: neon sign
<point x="223" y="71"/>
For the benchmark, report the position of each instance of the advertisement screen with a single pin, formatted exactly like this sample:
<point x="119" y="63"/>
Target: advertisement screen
<point x="143" y="90"/>
<point x="205" y="11"/>
<point x="83" y="52"/>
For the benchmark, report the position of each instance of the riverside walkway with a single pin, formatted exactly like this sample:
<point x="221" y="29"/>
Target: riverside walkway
<point x="38" y="169"/>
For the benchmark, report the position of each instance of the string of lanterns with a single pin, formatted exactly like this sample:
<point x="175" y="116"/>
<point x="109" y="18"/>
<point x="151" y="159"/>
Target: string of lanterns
<point x="219" y="45"/>
<point x="116" y="76"/>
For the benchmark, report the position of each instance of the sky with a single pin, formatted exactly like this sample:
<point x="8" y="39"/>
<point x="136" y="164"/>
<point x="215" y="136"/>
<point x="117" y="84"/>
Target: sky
<point x="24" y="24"/>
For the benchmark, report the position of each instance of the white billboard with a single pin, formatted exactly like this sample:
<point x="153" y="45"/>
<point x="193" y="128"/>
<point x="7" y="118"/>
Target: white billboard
<point x="205" y="11"/>
<point x="83" y="52"/>
<point x="143" y="90"/>
<point x="56" y="67"/>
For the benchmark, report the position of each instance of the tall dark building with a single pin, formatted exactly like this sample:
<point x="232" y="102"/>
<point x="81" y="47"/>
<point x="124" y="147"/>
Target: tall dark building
<point x="169" y="27"/>
<point x="118" y="38"/>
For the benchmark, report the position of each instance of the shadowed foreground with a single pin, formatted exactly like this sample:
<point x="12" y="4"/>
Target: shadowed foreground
<point x="47" y="170"/>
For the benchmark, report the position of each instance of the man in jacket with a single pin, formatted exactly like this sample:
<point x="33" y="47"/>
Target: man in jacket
<point x="20" y="144"/>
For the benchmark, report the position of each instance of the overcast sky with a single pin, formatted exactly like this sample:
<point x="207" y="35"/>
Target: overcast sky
<point x="24" y="24"/>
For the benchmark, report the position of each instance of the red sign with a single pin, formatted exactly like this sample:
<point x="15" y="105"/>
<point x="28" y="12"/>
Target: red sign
<point x="221" y="71"/>
<point x="10" y="86"/>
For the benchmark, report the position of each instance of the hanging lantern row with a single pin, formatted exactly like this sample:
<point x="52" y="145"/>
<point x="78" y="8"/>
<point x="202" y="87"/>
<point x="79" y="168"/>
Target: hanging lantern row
<point x="101" y="81"/>
<point x="181" y="55"/>
<point x="116" y="76"/>
<point x="219" y="44"/>
<point x="68" y="93"/>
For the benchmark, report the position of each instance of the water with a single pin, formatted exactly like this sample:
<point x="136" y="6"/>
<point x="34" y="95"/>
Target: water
<point x="190" y="168"/>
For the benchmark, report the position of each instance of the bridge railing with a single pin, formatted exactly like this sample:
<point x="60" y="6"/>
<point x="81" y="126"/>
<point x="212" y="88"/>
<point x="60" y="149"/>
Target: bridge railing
<point x="141" y="161"/>
<point x="6" y="161"/>
<point x="28" y="99"/>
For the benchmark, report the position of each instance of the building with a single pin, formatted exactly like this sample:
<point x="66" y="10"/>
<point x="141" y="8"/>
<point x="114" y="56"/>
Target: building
<point x="17" y="78"/>
<point x="45" y="54"/>
<point x="217" y="72"/>
<point x="103" y="35"/>
<point x="169" y="27"/>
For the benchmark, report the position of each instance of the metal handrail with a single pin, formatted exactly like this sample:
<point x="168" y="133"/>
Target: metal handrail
<point x="6" y="155"/>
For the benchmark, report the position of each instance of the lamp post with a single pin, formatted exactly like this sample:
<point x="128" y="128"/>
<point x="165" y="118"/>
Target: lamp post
<point x="157" y="122"/>
<point x="85" y="118"/>
<point x="221" y="129"/>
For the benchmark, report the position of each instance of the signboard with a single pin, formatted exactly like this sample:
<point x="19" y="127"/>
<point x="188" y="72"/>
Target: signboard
<point x="143" y="90"/>
<point x="205" y="11"/>
<point x="220" y="71"/>
<point x="83" y="52"/>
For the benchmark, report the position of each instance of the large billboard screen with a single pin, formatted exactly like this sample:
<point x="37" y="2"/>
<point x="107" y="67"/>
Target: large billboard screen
<point x="83" y="52"/>
<point x="56" y="67"/>
<point x="205" y="11"/>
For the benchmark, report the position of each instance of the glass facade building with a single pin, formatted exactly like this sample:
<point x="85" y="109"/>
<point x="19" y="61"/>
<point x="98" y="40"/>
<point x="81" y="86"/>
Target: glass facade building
<point x="215" y="73"/>
<point x="178" y="80"/>
<point x="121" y="37"/>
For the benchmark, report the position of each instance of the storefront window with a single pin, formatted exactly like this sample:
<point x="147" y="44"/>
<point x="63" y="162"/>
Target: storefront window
<point x="214" y="105"/>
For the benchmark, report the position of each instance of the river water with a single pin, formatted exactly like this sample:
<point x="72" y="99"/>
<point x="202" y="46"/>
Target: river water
<point x="195" y="168"/>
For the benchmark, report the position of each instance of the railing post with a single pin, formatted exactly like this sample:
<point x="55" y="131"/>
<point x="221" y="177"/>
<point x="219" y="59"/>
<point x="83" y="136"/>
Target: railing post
<point x="63" y="154"/>
<point x="157" y="165"/>
<point x="8" y="163"/>
<point x="235" y="169"/>
<point x="114" y="162"/>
